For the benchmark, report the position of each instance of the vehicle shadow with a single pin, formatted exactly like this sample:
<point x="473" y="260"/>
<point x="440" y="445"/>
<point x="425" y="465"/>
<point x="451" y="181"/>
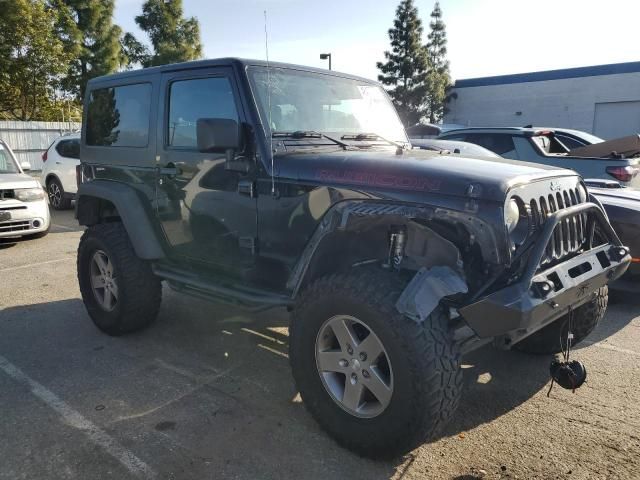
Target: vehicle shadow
<point x="7" y="243"/>
<point x="616" y="318"/>
<point x="234" y="386"/>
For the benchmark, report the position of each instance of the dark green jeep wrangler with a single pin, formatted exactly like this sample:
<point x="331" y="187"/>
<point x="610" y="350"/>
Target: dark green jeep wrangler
<point x="284" y="186"/>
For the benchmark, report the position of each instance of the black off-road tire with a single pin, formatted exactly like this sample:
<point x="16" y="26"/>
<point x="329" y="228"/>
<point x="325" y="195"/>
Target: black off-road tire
<point x="550" y="339"/>
<point x="56" y="203"/>
<point x="139" y="290"/>
<point x="425" y="362"/>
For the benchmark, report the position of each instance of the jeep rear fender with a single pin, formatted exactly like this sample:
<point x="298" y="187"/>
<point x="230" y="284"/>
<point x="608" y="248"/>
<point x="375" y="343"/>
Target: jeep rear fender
<point x="95" y="202"/>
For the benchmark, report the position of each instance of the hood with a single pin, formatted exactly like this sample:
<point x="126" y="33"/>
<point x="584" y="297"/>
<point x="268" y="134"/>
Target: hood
<point x="11" y="181"/>
<point x="414" y="170"/>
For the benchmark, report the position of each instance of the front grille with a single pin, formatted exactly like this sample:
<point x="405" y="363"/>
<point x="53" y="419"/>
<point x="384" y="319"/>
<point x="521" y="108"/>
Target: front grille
<point x="571" y="234"/>
<point x="17" y="226"/>
<point x="4" y="194"/>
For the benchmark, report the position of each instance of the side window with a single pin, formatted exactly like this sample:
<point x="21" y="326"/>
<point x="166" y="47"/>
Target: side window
<point x="499" y="143"/>
<point x="69" y="148"/>
<point x="119" y="116"/>
<point x="192" y="99"/>
<point x="570" y="143"/>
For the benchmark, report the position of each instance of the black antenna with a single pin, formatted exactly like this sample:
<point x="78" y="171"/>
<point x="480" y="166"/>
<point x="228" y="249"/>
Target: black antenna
<point x="266" y="48"/>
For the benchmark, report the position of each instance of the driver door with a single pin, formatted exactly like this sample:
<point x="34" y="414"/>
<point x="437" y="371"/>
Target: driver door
<point x="205" y="218"/>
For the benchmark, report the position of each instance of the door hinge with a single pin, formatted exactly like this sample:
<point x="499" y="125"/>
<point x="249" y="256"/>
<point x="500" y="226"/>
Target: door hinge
<point x="247" y="187"/>
<point x="250" y="243"/>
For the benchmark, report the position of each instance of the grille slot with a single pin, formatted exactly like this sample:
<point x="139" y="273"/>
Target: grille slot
<point x="16" y="226"/>
<point x="6" y="194"/>
<point x="570" y="234"/>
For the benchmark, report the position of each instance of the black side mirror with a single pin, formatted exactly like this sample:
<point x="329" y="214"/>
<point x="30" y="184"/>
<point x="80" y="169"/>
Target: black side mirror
<point x="217" y="134"/>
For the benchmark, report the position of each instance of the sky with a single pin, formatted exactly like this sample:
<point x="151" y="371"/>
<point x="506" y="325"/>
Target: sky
<point x="485" y="37"/>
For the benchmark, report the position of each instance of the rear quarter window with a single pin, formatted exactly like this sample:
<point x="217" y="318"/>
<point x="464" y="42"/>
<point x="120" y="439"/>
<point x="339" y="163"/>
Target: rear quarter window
<point x="69" y="148"/>
<point x="119" y="116"/>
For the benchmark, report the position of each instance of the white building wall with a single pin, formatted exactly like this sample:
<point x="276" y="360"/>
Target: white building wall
<point x="568" y="103"/>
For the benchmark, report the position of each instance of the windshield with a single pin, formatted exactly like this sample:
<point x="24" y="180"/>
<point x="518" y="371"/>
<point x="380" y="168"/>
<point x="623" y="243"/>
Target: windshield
<point x="307" y="101"/>
<point x="7" y="163"/>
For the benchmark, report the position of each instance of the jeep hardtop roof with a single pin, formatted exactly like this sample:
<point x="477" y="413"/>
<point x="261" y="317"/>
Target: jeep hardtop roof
<point x="240" y="63"/>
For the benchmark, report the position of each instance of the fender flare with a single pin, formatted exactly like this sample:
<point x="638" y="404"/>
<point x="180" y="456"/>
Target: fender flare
<point x="136" y="219"/>
<point x="337" y="218"/>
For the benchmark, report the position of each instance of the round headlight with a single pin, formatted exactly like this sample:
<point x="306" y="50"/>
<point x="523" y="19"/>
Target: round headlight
<point x="512" y="215"/>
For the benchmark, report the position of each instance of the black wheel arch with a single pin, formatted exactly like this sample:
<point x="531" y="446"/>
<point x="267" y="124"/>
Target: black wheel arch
<point x="102" y="201"/>
<point x="357" y="231"/>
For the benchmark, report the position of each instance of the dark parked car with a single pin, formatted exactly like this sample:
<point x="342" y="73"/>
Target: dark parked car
<point x="276" y="185"/>
<point x="623" y="208"/>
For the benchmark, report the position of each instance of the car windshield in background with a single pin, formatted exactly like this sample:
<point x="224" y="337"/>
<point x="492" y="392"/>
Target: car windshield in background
<point x="314" y="102"/>
<point x="7" y="163"/>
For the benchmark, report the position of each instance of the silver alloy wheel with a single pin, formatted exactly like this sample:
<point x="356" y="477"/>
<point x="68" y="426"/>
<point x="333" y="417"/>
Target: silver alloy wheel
<point x="103" y="281"/>
<point x="354" y="366"/>
<point x="55" y="195"/>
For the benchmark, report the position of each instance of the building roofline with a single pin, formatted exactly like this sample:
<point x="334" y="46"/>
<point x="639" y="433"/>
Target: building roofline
<point x="578" y="72"/>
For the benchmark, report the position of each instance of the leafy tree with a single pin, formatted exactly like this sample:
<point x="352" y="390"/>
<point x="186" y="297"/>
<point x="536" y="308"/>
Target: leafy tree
<point x="407" y="64"/>
<point x="32" y="60"/>
<point x="438" y="78"/>
<point x="173" y="37"/>
<point x="87" y="30"/>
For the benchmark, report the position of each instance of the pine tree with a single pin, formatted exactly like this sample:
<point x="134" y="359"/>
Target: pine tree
<point x="438" y="78"/>
<point x="87" y="29"/>
<point x="406" y="64"/>
<point x="173" y="37"/>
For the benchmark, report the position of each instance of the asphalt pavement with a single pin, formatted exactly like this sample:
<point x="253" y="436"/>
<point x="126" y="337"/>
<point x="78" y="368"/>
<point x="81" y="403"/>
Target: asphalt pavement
<point x="206" y="392"/>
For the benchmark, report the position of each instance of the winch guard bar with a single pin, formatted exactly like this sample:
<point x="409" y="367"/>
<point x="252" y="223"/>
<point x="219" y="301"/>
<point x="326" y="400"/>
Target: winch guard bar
<point x="540" y="297"/>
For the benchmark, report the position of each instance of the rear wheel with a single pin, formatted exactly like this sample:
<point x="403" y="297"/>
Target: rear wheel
<point x="119" y="290"/>
<point x="552" y="338"/>
<point x="378" y="382"/>
<point x="56" y="195"/>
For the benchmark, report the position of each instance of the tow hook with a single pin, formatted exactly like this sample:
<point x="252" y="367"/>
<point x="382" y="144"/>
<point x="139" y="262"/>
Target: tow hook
<point x="569" y="374"/>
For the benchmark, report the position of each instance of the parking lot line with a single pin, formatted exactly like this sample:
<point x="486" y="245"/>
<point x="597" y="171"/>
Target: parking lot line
<point x="29" y="265"/>
<point x="76" y="420"/>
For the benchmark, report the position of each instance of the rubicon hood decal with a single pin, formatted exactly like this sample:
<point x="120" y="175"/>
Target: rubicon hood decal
<point x="354" y="177"/>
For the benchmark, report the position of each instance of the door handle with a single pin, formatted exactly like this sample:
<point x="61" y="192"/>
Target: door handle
<point x="169" y="169"/>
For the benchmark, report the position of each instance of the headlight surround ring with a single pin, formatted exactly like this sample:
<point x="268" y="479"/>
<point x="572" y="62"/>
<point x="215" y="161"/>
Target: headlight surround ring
<point x="518" y="221"/>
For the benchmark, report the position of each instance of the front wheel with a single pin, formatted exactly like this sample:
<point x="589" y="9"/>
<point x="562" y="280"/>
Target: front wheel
<point x="552" y="339"/>
<point x="378" y="382"/>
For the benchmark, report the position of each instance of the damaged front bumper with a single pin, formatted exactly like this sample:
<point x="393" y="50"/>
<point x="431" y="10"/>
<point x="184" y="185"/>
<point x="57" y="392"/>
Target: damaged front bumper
<point x="540" y="297"/>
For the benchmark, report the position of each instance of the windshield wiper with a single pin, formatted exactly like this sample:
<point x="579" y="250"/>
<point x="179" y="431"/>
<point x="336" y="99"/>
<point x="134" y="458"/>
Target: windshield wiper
<point x="309" y="134"/>
<point x="371" y="136"/>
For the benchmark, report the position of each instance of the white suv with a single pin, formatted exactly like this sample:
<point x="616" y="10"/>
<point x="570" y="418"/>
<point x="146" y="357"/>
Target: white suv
<point x="59" y="170"/>
<point x="23" y="206"/>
